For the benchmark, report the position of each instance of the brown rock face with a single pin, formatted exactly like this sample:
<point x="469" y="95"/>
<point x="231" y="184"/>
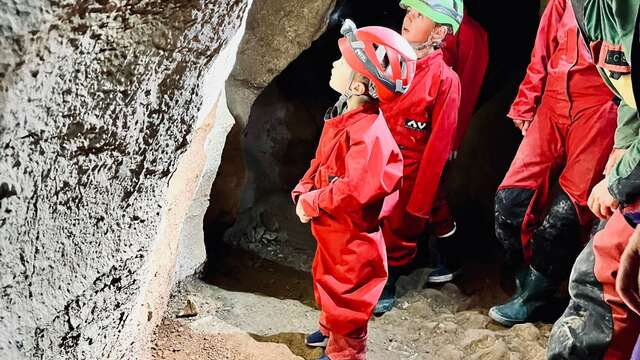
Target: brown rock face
<point x="98" y="100"/>
<point x="277" y="32"/>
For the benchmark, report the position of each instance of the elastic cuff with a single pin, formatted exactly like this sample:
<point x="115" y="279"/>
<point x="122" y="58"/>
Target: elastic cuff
<point x="518" y="118"/>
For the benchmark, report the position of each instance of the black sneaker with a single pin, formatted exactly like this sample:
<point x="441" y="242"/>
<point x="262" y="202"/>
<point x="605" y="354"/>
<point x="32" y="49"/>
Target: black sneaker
<point x="442" y="274"/>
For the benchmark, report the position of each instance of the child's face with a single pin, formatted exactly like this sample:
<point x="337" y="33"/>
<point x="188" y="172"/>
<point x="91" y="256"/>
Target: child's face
<point x="416" y="27"/>
<point x="340" y="76"/>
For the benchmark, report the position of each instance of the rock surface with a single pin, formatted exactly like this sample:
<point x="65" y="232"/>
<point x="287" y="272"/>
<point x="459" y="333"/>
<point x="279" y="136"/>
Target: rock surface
<point x="98" y="101"/>
<point x="175" y="341"/>
<point x="425" y="324"/>
<point x="277" y="32"/>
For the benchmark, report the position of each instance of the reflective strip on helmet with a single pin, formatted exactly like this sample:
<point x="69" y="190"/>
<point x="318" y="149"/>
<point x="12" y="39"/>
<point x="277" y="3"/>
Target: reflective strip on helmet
<point x="348" y="30"/>
<point x="357" y="44"/>
<point x="399" y="86"/>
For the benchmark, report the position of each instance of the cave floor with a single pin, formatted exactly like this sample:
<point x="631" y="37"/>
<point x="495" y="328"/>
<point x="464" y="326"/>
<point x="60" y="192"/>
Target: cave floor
<point x="254" y="308"/>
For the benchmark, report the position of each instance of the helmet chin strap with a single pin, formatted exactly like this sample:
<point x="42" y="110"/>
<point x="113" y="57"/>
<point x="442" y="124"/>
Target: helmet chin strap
<point x="341" y="105"/>
<point x="427" y="44"/>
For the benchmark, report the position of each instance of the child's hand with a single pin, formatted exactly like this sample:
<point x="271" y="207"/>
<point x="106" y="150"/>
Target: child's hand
<point x="601" y="203"/>
<point x="300" y="212"/>
<point x="523" y="125"/>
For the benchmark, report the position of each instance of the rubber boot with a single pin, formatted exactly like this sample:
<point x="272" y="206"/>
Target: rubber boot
<point x="388" y="296"/>
<point x="448" y="264"/>
<point x="521" y="277"/>
<point x="538" y="288"/>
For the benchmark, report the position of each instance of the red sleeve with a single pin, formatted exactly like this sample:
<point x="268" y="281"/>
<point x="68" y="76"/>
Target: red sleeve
<point x="531" y="88"/>
<point x="444" y="119"/>
<point x="471" y="66"/>
<point x="307" y="182"/>
<point x="373" y="171"/>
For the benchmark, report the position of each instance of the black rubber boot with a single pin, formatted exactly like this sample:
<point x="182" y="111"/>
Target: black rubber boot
<point x="537" y="291"/>
<point x="448" y="260"/>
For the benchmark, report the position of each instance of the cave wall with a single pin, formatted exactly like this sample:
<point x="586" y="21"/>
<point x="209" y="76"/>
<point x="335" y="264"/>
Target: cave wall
<point x="108" y="147"/>
<point x="285" y="121"/>
<point x="277" y="32"/>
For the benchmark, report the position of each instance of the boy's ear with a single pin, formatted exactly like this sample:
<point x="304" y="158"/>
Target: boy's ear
<point x="358" y="88"/>
<point x="440" y="32"/>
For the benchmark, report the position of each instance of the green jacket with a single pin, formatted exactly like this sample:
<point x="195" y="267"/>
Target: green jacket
<point x="607" y="27"/>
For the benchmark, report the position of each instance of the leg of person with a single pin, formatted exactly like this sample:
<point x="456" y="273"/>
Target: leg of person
<point x="447" y="244"/>
<point x="524" y="191"/>
<point x="319" y="338"/>
<point x="554" y="246"/>
<point x="401" y="232"/>
<point x="347" y="347"/>
<point x="350" y="278"/>
<point x="556" y="243"/>
<point x="588" y="144"/>
<point x="597" y="324"/>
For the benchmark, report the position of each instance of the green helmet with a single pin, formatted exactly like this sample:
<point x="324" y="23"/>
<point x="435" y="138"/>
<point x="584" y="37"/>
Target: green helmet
<point x="448" y="12"/>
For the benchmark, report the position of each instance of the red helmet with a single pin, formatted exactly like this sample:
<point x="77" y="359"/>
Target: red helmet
<point x="381" y="55"/>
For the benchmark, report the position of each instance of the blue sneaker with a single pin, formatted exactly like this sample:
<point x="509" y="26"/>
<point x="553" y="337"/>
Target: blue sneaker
<point x="324" y="357"/>
<point x="317" y="339"/>
<point x="442" y="274"/>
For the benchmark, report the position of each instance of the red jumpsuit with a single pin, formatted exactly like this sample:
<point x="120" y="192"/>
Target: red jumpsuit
<point x="467" y="52"/>
<point x="423" y="123"/>
<point x="357" y="164"/>
<point x="571" y="135"/>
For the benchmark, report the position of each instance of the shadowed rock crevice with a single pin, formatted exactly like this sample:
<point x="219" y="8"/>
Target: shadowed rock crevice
<point x="276" y="131"/>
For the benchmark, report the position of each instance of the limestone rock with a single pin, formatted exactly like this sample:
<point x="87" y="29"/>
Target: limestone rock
<point x="98" y="102"/>
<point x="190" y="309"/>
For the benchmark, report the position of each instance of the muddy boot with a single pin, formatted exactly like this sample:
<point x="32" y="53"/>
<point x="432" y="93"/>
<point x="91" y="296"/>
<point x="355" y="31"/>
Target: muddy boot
<point x="448" y="264"/>
<point x="388" y="296"/>
<point x="536" y="292"/>
<point x="520" y="278"/>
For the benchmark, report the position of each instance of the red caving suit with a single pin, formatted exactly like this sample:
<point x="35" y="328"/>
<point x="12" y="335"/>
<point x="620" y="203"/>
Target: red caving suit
<point x="467" y="52"/>
<point x="573" y="120"/>
<point x="423" y="122"/>
<point x="356" y="166"/>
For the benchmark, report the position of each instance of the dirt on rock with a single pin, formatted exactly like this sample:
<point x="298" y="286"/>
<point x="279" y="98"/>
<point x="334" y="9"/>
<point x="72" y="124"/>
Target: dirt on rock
<point x="256" y="301"/>
<point x="175" y="341"/>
